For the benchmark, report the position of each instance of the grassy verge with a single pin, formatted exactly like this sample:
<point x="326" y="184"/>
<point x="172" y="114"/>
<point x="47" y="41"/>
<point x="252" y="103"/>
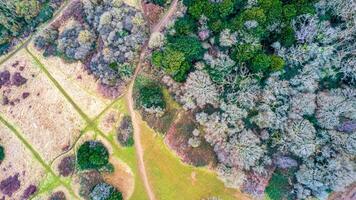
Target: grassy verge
<point x="172" y="179"/>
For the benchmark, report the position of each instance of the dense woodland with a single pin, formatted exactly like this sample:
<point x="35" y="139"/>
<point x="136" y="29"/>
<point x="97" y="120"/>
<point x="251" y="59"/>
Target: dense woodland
<point x="272" y="85"/>
<point x="104" y="35"/>
<point x="19" y="18"/>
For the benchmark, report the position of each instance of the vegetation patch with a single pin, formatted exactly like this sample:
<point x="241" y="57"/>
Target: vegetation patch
<point x="2" y="153"/>
<point x="186" y="140"/>
<point x="125" y="132"/>
<point x="92" y="155"/>
<point x="279" y="187"/>
<point x="104" y="191"/>
<point x="67" y="166"/>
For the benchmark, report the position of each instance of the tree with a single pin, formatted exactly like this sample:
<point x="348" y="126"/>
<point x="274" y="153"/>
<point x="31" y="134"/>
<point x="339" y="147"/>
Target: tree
<point x="149" y="94"/>
<point x="27" y="9"/>
<point x="2" y="153"/>
<point x="277" y="63"/>
<point x="92" y="155"/>
<point x="173" y="62"/>
<point x="185" y="25"/>
<point x="190" y="46"/>
<point x="104" y="191"/>
<point x="200" y="90"/>
<point x="260" y="63"/>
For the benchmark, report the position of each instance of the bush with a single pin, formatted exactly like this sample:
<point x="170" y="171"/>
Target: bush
<point x="2" y="153"/>
<point x="287" y="36"/>
<point x="125" y="132"/>
<point x="92" y="155"/>
<point x="104" y="191"/>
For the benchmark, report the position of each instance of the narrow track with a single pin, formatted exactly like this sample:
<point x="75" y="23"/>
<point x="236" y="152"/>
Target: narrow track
<point x="135" y="119"/>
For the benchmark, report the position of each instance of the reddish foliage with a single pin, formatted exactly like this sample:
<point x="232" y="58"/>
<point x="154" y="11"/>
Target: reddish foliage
<point x="256" y="184"/>
<point x="177" y="139"/>
<point x="152" y="13"/>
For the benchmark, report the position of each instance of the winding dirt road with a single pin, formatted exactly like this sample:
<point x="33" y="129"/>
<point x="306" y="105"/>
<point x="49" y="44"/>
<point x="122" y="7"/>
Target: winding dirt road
<point x="135" y="120"/>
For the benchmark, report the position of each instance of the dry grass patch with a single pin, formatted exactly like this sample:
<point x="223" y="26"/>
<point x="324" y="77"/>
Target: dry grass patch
<point x="108" y="122"/>
<point x="79" y="85"/>
<point x="122" y="178"/>
<point x="44" y="117"/>
<point x="18" y="162"/>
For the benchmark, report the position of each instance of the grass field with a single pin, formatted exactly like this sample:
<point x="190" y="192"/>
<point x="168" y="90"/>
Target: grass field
<point x="172" y="179"/>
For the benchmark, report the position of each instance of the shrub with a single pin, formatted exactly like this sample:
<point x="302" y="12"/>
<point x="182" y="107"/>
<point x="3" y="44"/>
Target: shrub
<point x="92" y="155"/>
<point x="2" y="153"/>
<point x="125" y="132"/>
<point x="261" y="63"/>
<point x="104" y="191"/>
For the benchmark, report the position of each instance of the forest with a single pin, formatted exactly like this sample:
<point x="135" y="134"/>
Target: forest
<point x="271" y="84"/>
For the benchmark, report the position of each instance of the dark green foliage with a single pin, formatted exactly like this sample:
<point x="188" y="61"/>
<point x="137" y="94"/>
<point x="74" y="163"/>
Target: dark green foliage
<point x="272" y="10"/>
<point x="190" y="46"/>
<point x="289" y="12"/>
<point x="278" y="187"/>
<point x="261" y="63"/>
<point x="287" y="36"/>
<point x="159" y="2"/>
<point x="2" y="153"/>
<point x="185" y="25"/>
<point x="175" y="59"/>
<point x="149" y="94"/>
<point x="92" y="155"/>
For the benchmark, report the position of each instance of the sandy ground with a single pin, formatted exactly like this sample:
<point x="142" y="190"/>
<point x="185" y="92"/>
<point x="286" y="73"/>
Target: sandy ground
<point x="45" y="118"/>
<point x="18" y="160"/>
<point x="79" y="85"/>
<point x="109" y="121"/>
<point x="122" y="178"/>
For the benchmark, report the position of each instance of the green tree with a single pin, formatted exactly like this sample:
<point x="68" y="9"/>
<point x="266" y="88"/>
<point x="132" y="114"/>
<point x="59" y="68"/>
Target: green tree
<point x="246" y="52"/>
<point x="277" y="63"/>
<point x="185" y="25"/>
<point x="190" y="46"/>
<point x="173" y="62"/>
<point x="2" y="153"/>
<point x="261" y="63"/>
<point x="27" y="9"/>
<point x="151" y="96"/>
<point x="92" y="155"/>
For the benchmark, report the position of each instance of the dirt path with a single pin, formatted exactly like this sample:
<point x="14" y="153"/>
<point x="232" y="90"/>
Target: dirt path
<point x="163" y="22"/>
<point x="135" y="121"/>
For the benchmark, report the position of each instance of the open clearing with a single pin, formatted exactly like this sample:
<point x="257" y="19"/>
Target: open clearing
<point x="18" y="162"/>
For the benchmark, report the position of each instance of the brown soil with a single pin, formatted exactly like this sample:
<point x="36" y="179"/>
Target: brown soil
<point x="177" y="139"/>
<point x="122" y="178"/>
